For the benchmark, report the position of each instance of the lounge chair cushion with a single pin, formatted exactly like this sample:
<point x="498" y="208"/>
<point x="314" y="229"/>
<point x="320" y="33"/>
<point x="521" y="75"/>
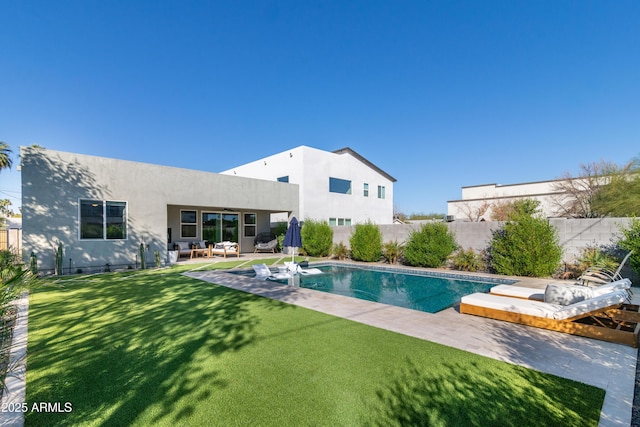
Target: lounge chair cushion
<point x="512" y="305"/>
<point x="566" y="295"/>
<point x="590" y="305"/>
<point x="538" y="294"/>
<point x="518" y="292"/>
<point x="544" y="309"/>
<point x="613" y="286"/>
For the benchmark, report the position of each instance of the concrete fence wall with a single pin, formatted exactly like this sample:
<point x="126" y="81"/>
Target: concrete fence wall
<point x="574" y="234"/>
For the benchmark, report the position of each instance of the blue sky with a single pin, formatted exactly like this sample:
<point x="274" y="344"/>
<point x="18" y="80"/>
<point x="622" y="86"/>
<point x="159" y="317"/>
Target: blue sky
<point x="439" y="94"/>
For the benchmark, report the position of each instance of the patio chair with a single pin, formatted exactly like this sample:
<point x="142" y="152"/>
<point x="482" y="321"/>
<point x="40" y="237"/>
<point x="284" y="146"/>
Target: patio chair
<point x="598" y="275"/>
<point x="225" y="248"/>
<point x="604" y="317"/>
<point x="265" y="242"/>
<point x="570" y="290"/>
<point x="183" y="248"/>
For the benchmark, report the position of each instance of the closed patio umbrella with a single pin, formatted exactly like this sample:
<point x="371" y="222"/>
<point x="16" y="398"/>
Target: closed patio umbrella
<point x="292" y="237"/>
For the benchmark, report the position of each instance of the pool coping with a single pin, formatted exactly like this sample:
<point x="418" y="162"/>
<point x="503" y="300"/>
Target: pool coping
<point x="602" y="364"/>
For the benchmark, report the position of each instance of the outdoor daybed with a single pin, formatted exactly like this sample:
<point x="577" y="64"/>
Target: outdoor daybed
<point x="603" y="317"/>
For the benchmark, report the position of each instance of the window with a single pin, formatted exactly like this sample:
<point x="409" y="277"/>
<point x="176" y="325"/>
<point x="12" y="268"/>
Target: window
<point x="188" y="224"/>
<point x="337" y="185"/>
<point x="339" y="221"/>
<point x="211" y="227"/>
<point x="220" y="227"/>
<point x="103" y="220"/>
<point x="283" y="179"/>
<point x="366" y="190"/>
<point x="116" y="220"/>
<point x="380" y="191"/>
<point x="250" y="225"/>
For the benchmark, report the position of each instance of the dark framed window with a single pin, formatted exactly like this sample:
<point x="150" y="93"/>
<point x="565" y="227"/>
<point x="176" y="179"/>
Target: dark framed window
<point x="381" y="192"/>
<point x="188" y="224"/>
<point x="250" y="223"/>
<point x="337" y="185"/>
<point x="103" y="220"/>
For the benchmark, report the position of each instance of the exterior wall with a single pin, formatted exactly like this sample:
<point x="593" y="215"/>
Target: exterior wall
<point x="53" y="182"/>
<point x="311" y="169"/>
<point x="474" y="196"/>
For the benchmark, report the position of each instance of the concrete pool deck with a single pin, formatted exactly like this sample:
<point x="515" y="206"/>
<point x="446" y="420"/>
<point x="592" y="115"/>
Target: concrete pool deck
<point x="609" y="366"/>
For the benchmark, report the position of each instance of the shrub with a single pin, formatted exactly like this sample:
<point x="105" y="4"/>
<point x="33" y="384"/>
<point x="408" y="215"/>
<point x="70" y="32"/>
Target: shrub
<point x="430" y="246"/>
<point x="631" y="242"/>
<point x="15" y="277"/>
<point x="592" y="256"/>
<point x="392" y="251"/>
<point x="340" y="251"/>
<point x="527" y="245"/>
<point x="366" y="243"/>
<point x="317" y="238"/>
<point x="467" y="260"/>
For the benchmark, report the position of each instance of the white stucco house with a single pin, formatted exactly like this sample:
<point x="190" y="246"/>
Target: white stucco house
<point x="102" y="209"/>
<point x="340" y="187"/>
<point x="478" y="201"/>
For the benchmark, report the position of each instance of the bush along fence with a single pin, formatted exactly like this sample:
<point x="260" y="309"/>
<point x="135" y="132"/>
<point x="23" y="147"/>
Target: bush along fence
<point x="573" y="237"/>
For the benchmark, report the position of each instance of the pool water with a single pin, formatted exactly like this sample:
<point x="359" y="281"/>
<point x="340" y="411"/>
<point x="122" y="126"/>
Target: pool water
<point x="415" y="290"/>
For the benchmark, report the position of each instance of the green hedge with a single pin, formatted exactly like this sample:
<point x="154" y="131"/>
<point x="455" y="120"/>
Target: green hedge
<point x="366" y="243"/>
<point x="317" y="238"/>
<point x="430" y="246"/>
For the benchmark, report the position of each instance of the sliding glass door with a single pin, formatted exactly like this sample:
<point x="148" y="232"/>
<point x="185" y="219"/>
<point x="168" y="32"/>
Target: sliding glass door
<point x="219" y="227"/>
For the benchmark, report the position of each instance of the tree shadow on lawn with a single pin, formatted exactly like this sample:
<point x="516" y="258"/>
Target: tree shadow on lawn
<point x="116" y="345"/>
<point x="473" y="395"/>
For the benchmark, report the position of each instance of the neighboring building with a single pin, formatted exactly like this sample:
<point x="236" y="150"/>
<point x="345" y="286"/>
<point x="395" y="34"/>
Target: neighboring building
<point x="478" y="201"/>
<point x="102" y="209"/>
<point x="341" y="187"/>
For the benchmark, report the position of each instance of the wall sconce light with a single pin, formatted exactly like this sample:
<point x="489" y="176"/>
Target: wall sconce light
<point x="265" y="163"/>
<point x="290" y="154"/>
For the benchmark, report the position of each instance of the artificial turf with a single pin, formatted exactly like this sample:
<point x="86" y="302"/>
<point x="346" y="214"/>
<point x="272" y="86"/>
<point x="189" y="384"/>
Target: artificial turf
<point x="158" y="348"/>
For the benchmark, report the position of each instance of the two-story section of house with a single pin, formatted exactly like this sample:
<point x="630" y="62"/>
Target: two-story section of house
<point x="340" y="187"/>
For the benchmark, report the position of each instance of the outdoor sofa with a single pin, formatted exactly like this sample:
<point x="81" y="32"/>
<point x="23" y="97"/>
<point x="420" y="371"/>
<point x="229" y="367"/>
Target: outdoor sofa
<point x="225" y="249"/>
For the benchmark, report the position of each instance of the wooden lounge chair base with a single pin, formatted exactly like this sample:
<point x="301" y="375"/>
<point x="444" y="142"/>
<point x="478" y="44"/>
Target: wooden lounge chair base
<point x="616" y="324"/>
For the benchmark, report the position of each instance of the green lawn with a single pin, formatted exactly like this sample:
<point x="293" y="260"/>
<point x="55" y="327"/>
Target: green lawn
<point x="157" y="348"/>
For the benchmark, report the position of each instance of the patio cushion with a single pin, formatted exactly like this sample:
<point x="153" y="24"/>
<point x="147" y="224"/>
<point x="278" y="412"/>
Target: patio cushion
<point x="512" y="305"/>
<point x="566" y="295"/>
<point x="591" y="305"/>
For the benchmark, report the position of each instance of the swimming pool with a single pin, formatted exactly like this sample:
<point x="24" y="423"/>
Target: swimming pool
<point x="416" y="289"/>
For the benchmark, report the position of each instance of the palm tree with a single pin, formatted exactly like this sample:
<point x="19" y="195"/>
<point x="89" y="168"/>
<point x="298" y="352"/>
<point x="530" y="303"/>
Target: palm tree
<point x="5" y="156"/>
